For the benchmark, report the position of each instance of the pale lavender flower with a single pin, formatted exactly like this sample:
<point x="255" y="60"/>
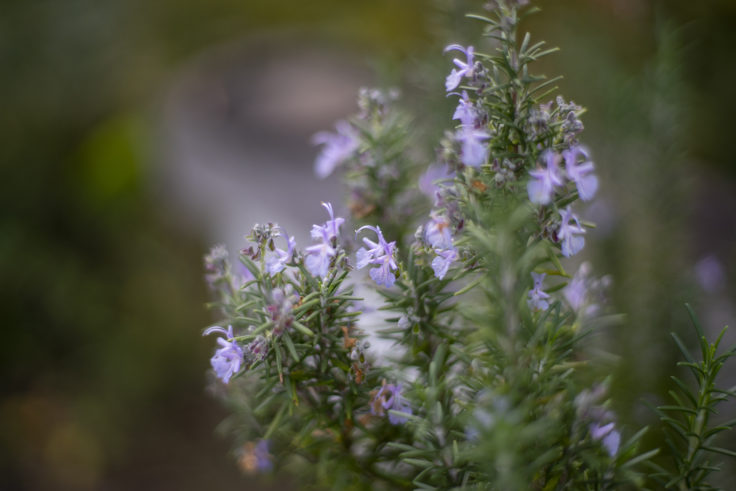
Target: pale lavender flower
<point x="611" y="442"/>
<point x="588" y="410"/>
<point x="241" y="275"/>
<point x="544" y="181"/>
<point x="576" y="290"/>
<point x="608" y="435"/>
<point x="709" y="273"/>
<point x="318" y="257"/>
<point x="338" y="147"/>
<point x="227" y="359"/>
<point x="585" y="294"/>
<point x="465" y="112"/>
<point x="437" y="231"/>
<point x="537" y="300"/>
<point x="464" y="68"/>
<point x="441" y="263"/>
<point x="434" y="174"/>
<point x="381" y="254"/>
<point x="387" y="399"/>
<point x="263" y="457"/>
<point x="474" y="151"/>
<point x="586" y="182"/>
<point x="570" y="235"/>
<point x="277" y="262"/>
<point x="331" y="228"/>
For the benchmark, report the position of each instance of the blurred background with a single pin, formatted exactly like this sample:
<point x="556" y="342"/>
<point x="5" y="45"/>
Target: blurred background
<point x="136" y="134"/>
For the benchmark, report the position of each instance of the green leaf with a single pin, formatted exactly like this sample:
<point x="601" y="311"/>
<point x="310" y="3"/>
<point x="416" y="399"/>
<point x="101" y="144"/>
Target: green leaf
<point x="302" y="328"/>
<point x="640" y="458"/>
<point x="275" y="422"/>
<point x="290" y="346"/>
<point x="418" y="462"/>
<point x="720" y="450"/>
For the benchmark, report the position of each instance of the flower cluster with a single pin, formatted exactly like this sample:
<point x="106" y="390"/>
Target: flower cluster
<point x="370" y="147"/>
<point x="472" y="133"/>
<point x="270" y="278"/>
<point x="548" y="181"/>
<point x="561" y="119"/>
<point x="548" y="177"/>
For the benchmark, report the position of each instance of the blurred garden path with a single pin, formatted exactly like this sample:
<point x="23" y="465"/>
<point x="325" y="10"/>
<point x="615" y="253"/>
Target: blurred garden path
<point x="235" y="137"/>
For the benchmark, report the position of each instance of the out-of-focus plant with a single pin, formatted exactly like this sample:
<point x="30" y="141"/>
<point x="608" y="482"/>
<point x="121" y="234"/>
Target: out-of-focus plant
<point x="487" y="384"/>
<point x="690" y="432"/>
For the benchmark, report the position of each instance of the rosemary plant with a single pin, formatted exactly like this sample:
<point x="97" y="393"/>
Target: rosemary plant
<point x="688" y="420"/>
<point x="487" y="384"/>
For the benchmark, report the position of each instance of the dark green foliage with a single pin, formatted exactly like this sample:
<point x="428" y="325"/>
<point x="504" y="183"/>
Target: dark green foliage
<point x="690" y="430"/>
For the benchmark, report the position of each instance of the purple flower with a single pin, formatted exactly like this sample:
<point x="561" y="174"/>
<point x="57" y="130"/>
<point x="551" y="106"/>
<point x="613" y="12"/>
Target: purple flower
<point x="256" y="457"/>
<point x="586" y="182"/>
<point x="709" y="273"/>
<point x="276" y="263"/>
<point x="543" y="182"/>
<point x="465" y="112"/>
<point x="610" y="437"/>
<point x="537" y="298"/>
<point x="389" y="398"/>
<point x="464" y="69"/>
<point x="428" y="180"/>
<point x="570" y="235"/>
<point x="227" y="359"/>
<point x="338" y="147"/>
<point x="576" y="291"/>
<point x="263" y="458"/>
<point x="441" y="263"/>
<point x="580" y="288"/>
<point x="331" y="228"/>
<point x="381" y="254"/>
<point x="318" y="257"/>
<point x="582" y="291"/>
<point x="241" y="275"/>
<point x="474" y="150"/>
<point x="437" y="231"/>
